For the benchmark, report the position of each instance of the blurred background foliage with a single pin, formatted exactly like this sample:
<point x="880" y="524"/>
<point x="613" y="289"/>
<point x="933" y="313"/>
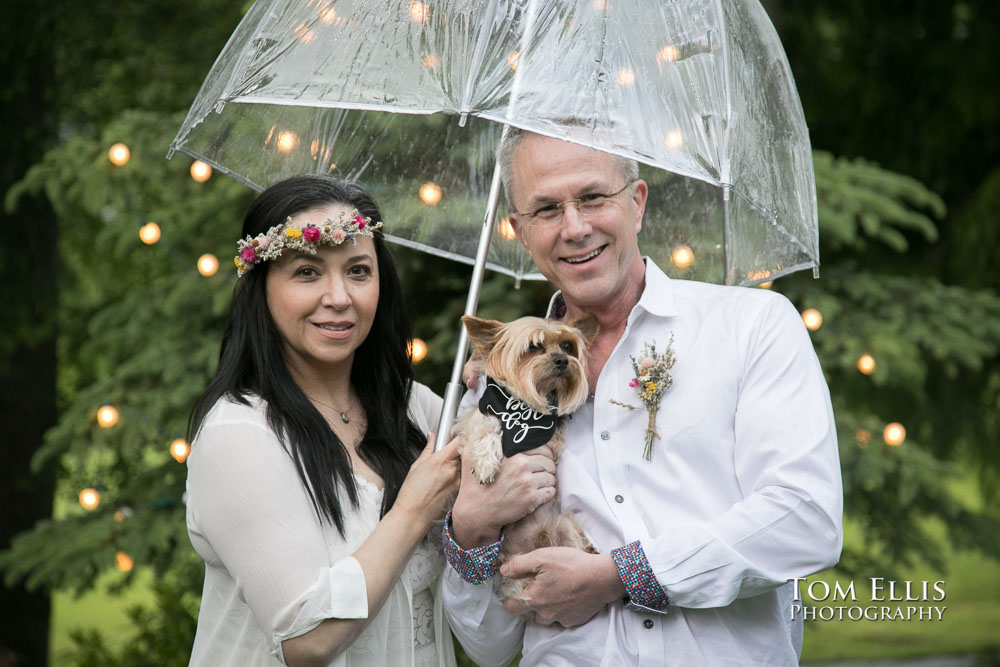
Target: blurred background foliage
<point x="908" y="177"/>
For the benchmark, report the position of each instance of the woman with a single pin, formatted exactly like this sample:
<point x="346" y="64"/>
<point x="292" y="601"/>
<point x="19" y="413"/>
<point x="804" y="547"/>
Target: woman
<point x="311" y="492"/>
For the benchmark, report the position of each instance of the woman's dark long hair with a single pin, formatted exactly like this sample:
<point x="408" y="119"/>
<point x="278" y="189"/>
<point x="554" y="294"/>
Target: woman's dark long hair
<point x="251" y="361"/>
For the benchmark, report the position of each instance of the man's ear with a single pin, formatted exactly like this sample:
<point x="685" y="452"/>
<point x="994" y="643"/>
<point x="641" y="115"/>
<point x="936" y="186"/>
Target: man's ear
<point x="640" y="191"/>
<point x="482" y="332"/>
<point x="588" y="326"/>
<point x="515" y="224"/>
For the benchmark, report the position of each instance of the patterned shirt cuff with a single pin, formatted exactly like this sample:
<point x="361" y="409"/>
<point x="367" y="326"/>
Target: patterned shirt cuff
<point x="475" y="565"/>
<point x="643" y="591"/>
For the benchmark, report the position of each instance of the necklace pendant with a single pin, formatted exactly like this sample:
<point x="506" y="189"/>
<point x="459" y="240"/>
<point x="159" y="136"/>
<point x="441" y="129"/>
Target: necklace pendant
<point x="344" y="418"/>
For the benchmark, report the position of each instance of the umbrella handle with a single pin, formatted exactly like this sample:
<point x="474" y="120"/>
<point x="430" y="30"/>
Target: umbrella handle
<point x="453" y="391"/>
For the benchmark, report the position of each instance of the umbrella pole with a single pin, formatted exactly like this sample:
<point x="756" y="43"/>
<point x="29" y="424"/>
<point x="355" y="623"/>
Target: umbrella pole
<point x="453" y="391"/>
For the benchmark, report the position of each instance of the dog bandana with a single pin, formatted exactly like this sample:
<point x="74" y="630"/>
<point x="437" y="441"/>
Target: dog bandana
<point x="522" y="429"/>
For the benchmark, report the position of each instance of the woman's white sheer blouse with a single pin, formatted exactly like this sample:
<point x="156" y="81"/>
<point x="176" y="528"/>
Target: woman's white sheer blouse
<point x="275" y="571"/>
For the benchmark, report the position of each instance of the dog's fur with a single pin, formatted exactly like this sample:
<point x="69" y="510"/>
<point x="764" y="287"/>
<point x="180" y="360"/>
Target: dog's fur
<point x="544" y="364"/>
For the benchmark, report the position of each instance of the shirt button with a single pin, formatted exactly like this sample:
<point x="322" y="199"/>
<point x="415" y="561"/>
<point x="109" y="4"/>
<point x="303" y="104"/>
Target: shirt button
<point x="619" y="499"/>
<point x="605" y="435"/>
<point x="648" y="624"/>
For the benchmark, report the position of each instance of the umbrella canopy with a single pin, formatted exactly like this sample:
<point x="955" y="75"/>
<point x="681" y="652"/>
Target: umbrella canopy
<point x="698" y="91"/>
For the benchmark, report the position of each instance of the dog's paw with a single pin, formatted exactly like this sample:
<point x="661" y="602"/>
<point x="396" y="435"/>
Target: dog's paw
<point x="486" y="471"/>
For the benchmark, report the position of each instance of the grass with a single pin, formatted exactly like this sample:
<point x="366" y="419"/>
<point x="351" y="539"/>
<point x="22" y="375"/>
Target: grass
<point x="96" y="609"/>
<point x="969" y="624"/>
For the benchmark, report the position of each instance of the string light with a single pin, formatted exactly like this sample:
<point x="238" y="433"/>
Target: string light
<point x="287" y="141"/>
<point x="866" y="364"/>
<point x="328" y="15"/>
<point x="668" y="54"/>
<point x="208" y="264"/>
<point x="200" y="171"/>
<point x="123" y="513"/>
<point x="894" y="434"/>
<point x="123" y="561"/>
<point x="767" y="284"/>
<point x="430" y="193"/>
<point x="418" y="350"/>
<point x="180" y="449"/>
<point x="626" y="76"/>
<point x="812" y="318"/>
<point x="863" y="436"/>
<point x="682" y="257"/>
<point x="107" y="416"/>
<point x="90" y="499"/>
<point x="119" y="154"/>
<point x="418" y="11"/>
<point x="149" y="233"/>
<point x="512" y="59"/>
<point x="431" y="61"/>
<point x="674" y="139"/>
<point x="506" y="230"/>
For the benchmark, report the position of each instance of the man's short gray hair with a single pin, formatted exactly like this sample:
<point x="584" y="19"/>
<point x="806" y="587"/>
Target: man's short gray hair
<point x="512" y="138"/>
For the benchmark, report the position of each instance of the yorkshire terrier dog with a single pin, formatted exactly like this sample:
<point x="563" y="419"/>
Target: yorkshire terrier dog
<point x="535" y="375"/>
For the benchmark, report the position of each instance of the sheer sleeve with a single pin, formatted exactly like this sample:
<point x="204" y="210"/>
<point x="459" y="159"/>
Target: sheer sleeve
<point x="249" y="513"/>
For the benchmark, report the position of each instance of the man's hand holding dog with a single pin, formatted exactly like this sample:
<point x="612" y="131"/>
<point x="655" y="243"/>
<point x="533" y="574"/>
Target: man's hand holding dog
<point x="524" y="482"/>
<point x="569" y="588"/>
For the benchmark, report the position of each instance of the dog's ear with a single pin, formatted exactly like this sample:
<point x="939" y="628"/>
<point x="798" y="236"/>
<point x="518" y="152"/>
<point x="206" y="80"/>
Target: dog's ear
<point x="588" y="326"/>
<point x="482" y="332"/>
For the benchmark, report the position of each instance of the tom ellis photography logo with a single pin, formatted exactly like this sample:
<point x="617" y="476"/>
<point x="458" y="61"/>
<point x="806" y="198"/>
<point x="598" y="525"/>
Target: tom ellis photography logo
<point x="874" y="599"/>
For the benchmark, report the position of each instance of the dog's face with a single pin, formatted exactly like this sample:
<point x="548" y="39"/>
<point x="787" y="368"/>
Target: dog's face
<point x="543" y="362"/>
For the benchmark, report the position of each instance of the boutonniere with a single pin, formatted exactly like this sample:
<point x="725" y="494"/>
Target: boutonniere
<point x="651" y="381"/>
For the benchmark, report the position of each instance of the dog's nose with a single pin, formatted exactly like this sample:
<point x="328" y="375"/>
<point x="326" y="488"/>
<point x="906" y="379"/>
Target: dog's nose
<point x="561" y="361"/>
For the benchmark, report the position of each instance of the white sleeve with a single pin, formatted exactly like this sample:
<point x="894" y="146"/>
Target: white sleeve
<point x="787" y="463"/>
<point x="425" y="407"/>
<point x="247" y="502"/>
<point x="488" y="633"/>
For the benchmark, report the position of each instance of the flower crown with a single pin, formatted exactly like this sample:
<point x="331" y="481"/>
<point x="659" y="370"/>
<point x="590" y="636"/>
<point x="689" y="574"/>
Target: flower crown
<point x="347" y="226"/>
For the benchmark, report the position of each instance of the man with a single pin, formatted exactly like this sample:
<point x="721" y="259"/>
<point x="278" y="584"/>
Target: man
<point x="742" y="491"/>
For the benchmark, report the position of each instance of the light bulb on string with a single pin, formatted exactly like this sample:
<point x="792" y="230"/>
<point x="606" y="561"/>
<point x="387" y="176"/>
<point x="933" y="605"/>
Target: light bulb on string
<point x="287" y="141"/>
<point x="512" y="59"/>
<point x="767" y="284"/>
<point x="418" y="350"/>
<point x="682" y="256"/>
<point x="119" y="154"/>
<point x="812" y="318"/>
<point x="668" y="54"/>
<point x="419" y="12"/>
<point x="863" y="436"/>
<point x="149" y="233"/>
<point x="894" y="434"/>
<point x="180" y="449"/>
<point x="123" y="561"/>
<point x="866" y="364"/>
<point x="208" y="264"/>
<point x="674" y="139"/>
<point x="626" y="76"/>
<point x="107" y="416"/>
<point x="200" y="171"/>
<point x="430" y="193"/>
<point x="506" y="230"/>
<point x="89" y="498"/>
<point x="122" y="513"/>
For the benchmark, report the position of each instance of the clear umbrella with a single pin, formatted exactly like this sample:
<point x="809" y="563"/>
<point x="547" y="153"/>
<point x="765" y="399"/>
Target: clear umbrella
<point x="410" y="97"/>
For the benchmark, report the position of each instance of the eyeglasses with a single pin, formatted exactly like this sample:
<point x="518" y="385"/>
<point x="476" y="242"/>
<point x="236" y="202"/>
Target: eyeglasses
<point x="589" y="206"/>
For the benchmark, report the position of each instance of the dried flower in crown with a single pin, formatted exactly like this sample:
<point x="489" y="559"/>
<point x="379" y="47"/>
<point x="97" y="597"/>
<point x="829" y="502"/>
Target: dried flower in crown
<point x="347" y="226"/>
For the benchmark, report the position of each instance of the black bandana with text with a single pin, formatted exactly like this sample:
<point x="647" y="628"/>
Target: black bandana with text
<point x="522" y="428"/>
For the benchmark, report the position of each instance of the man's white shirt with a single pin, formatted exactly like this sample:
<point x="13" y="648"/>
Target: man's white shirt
<point x="743" y="492"/>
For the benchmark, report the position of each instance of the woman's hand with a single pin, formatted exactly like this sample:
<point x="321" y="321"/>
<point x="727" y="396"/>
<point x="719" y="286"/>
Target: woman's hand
<point x="432" y="483"/>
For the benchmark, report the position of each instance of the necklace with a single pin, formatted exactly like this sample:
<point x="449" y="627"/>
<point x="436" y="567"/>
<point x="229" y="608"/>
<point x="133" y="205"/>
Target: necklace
<point x="344" y="416"/>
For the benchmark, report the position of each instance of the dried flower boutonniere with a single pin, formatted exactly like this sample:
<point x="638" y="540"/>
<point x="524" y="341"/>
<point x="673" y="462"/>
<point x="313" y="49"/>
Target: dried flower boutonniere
<point x="651" y="381"/>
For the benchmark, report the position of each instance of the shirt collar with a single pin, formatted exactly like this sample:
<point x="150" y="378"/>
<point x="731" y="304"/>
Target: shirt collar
<point x="657" y="297"/>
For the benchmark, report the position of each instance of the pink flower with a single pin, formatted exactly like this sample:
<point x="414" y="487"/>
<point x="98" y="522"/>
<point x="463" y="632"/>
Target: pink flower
<point x="263" y="242"/>
<point x="634" y="382"/>
<point x="248" y="255"/>
<point x="338" y="235"/>
<point x="311" y="234"/>
<point x="361" y="221"/>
